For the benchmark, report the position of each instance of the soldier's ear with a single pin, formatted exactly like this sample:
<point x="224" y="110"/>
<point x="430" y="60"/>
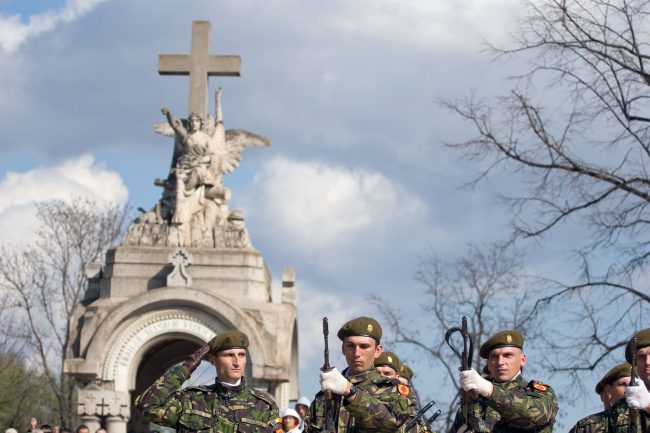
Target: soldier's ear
<point x="378" y="350"/>
<point x="523" y="359"/>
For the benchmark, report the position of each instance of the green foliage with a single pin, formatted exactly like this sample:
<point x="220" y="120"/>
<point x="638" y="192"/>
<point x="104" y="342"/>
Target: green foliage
<point x="24" y="393"/>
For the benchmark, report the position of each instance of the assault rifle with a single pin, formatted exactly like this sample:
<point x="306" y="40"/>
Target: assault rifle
<point x="330" y="410"/>
<point x="633" y="412"/>
<point x="465" y="356"/>
<point x="418" y="418"/>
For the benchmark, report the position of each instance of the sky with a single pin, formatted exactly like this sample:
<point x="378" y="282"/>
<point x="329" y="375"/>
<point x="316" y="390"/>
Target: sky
<point x="357" y="185"/>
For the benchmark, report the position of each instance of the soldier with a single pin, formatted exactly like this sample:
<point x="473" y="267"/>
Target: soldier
<point x="637" y="396"/>
<point x="387" y="364"/>
<point x="228" y="406"/>
<point x="405" y="374"/>
<point x="505" y="403"/>
<point x="364" y="400"/>
<point x="611" y="389"/>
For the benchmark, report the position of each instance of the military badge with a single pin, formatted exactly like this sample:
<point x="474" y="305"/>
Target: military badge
<point x="390" y="358"/>
<point x="278" y="425"/>
<point x="540" y="386"/>
<point x="404" y="390"/>
<point x="508" y="338"/>
<point x="369" y="327"/>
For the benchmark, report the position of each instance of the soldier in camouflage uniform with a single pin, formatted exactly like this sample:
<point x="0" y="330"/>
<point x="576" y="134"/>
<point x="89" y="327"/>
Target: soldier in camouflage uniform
<point x="405" y="374"/>
<point x="363" y="400"/>
<point x="637" y="396"/>
<point x="611" y="389"/>
<point x="228" y="406"/>
<point x="387" y="364"/>
<point x="506" y="403"/>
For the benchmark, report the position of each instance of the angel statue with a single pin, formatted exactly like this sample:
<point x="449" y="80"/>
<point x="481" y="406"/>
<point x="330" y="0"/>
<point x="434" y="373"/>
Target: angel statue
<point x="203" y="152"/>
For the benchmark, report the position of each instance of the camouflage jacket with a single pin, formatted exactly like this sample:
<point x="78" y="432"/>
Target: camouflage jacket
<point x="381" y="406"/>
<point x="208" y="409"/>
<point x="595" y="423"/>
<point x="617" y="420"/>
<point x="515" y="406"/>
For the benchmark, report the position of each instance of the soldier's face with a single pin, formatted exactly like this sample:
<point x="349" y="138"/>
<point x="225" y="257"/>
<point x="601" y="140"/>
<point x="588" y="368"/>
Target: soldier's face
<point x="360" y="353"/>
<point x="505" y="363"/>
<point x="614" y="391"/>
<point x="643" y="364"/>
<point x="230" y="364"/>
<point x="387" y="371"/>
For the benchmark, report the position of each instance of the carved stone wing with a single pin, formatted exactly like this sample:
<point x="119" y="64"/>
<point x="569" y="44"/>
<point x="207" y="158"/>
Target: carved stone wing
<point x="163" y="129"/>
<point x="236" y="140"/>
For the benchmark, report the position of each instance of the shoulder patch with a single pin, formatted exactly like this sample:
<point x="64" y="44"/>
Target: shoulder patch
<point x="404" y="390"/>
<point x="538" y="386"/>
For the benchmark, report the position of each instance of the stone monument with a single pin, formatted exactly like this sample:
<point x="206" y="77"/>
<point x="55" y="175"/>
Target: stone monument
<point x="186" y="270"/>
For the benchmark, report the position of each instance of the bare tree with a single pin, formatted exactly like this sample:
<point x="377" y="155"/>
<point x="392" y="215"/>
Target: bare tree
<point x="575" y="128"/>
<point x="46" y="281"/>
<point x="486" y="285"/>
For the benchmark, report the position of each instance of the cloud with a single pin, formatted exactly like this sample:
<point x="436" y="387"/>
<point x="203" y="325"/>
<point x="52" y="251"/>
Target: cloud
<point x="75" y="177"/>
<point x="317" y="207"/>
<point x="14" y="31"/>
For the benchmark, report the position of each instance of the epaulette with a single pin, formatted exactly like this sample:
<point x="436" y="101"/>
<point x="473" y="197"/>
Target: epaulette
<point x="262" y="396"/>
<point x="538" y="386"/>
<point x="591" y="419"/>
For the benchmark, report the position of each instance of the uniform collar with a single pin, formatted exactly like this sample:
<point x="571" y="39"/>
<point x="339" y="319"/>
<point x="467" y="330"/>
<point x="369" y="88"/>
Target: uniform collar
<point x="516" y="381"/>
<point x="227" y="389"/>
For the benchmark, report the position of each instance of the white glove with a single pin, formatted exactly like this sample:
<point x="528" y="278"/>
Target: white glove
<point x="470" y="380"/>
<point x="637" y="396"/>
<point x="462" y="429"/>
<point x="334" y="381"/>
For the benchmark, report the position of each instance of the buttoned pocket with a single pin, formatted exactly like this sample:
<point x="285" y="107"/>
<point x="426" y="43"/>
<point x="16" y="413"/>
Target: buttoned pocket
<point x="195" y="420"/>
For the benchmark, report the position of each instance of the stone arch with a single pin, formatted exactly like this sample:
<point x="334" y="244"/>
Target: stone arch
<point x="123" y="337"/>
<point x="135" y="337"/>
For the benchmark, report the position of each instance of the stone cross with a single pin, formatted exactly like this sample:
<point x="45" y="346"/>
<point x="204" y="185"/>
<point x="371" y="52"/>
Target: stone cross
<point x="180" y="258"/>
<point x="199" y="66"/>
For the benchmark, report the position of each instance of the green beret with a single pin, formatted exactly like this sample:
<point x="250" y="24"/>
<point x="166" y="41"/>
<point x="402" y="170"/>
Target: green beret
<point x="621" y="370"/>
<point x="406" y="372"/>
<point x="642" y="340"/>
<point x="360" y="327"/>
<point x="506" y="338"/>
<point x="228" y="340"/>
<point x="389" y="359"/>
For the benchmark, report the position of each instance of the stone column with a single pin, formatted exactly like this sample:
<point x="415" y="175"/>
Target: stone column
<point x="115" y="424"/>
<point x="92" y="421"/>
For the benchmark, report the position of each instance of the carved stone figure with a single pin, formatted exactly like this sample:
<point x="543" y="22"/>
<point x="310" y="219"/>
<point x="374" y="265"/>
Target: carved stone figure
<point x="194" y="201"/>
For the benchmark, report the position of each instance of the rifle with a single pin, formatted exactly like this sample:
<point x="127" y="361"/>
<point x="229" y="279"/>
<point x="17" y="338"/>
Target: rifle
<point x="465" y="356"/>
<point x="417" y="417"/>
<point x="633" y="412"/>
<point x="327" y="395"/>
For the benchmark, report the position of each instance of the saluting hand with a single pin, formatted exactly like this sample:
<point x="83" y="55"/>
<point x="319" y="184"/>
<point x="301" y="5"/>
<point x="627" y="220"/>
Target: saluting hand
<point x="195" y="358"/>
<point x="333" y="381"/>
<point x="470" y="380"/>
<point x="637" y="396"/>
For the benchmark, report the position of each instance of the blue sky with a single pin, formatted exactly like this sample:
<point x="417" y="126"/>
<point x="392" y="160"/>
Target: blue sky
<point x="356" y="185"/>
